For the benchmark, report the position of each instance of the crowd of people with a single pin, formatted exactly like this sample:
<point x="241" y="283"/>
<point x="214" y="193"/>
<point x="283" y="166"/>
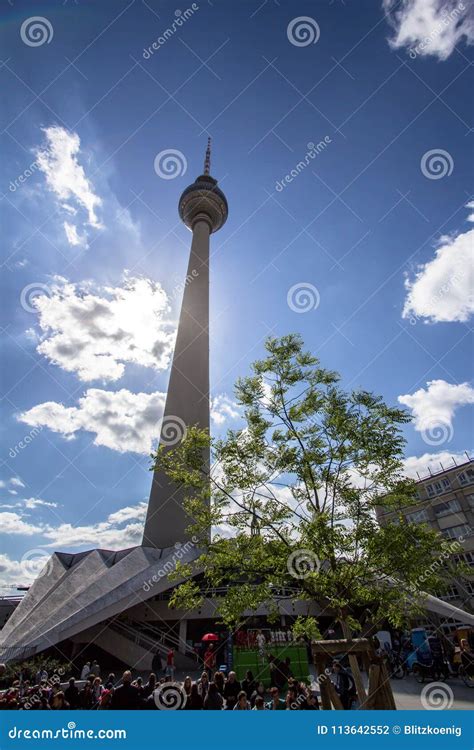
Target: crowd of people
<point x="213" y="690"/>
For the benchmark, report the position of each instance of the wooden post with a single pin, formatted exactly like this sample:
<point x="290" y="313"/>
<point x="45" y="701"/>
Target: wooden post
<point x="335" y="700"/>
<point x="374" y="678"/>
<point x="385" y="690"/>
<point x="354" y="665"/>
<point x="323" y="680"/>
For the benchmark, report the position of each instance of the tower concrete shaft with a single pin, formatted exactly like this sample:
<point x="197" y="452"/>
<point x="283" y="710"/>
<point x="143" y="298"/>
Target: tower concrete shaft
<point x="203" y="208"/>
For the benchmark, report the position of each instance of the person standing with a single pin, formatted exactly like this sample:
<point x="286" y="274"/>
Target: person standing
<point x="97" y="689"/>
<point x="344" y="685"/>
<point x="210" y="660"/>
<point x="232" y="688"/>
<point x="85" y="670"/>
<point x="213" y="700"/>
<point x="259" y="692"/>
<point x="150" y="686"/>
<point x="125" y="696"/>
<point x="195" y="699"/>
<point x="203" y="685"/>
<point x="249" y="684"/>
<point x="276" y="703"/>
<point x="170" y="664"/>
<point x="242" y="702"/>
<point x="71" y="694"/>
<point x="85" y="697"/>
<point x="261" y="643"/>
<point x="219" y="679"/>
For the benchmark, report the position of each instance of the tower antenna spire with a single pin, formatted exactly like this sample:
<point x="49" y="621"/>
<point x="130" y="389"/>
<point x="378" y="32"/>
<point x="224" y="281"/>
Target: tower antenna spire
<point x="207" y="160"/>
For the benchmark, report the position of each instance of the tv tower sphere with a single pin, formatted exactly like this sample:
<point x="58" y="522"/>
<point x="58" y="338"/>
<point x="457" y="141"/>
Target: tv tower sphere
<point x="203" y="200"/>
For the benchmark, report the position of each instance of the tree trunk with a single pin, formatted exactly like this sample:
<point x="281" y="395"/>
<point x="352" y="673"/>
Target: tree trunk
<point x="354" y="664"/>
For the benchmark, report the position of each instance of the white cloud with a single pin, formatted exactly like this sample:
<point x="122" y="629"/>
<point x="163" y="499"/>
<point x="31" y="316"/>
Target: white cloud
<point x="430" y="27"/>
<point x="73" y="236"/>
<point x="65" y="176"/>
<point x="442" y="290"/>
<point x="120" y="420"/>
<point x="470" y="205"/>
<point x="94" y="331"/>
<point x="16" y="482"/>
<point x="104" y="534"/>
<point x="13" y="573"/>
<point x="35" y="502"/>
<point x="437" y="404"/>
<point x="421" y="465"/>
<point x="223" y="409"/>
<point x="13" y="523"/>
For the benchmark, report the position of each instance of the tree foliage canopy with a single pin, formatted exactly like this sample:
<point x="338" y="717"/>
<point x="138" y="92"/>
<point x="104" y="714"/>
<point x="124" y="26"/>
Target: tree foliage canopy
<point x="292" y="499"/>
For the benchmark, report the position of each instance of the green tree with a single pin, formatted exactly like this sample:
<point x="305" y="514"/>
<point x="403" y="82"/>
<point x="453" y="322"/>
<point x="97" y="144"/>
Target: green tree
<point x="292" y="498"/>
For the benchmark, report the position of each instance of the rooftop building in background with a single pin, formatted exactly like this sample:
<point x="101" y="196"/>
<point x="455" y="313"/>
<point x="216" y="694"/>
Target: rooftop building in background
<point x="445" y="500"/>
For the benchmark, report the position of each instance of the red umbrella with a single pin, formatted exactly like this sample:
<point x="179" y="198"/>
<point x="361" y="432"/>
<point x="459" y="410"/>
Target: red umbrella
<point x="210" y="637"/>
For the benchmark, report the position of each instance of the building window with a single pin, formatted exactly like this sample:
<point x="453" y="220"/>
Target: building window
<point x="430" y="490"/>
<point x="466" y="557"/>
<point x="466" y="477"/>
<point x="451" y="593"/>
<point x="457" y="532"/>
<point x="445" y="509"/>
<point x="418" y="516"/>
<point x="470" y="500"/>
<point x="469" y="587"/>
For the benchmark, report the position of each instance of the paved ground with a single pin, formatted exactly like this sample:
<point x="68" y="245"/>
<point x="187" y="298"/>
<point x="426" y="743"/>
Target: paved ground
<point x="408" y="694"/>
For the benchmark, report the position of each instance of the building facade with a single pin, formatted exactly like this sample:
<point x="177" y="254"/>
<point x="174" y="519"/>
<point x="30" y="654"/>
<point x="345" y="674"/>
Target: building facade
<point x="445" y="501"/>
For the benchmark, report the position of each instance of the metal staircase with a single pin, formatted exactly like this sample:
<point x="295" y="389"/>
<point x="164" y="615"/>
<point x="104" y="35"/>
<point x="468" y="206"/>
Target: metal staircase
<point x="156" y="641"/>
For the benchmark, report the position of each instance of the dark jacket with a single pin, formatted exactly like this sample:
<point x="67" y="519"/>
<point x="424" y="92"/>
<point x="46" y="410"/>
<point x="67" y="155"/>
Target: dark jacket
<point x="125" y="697"/>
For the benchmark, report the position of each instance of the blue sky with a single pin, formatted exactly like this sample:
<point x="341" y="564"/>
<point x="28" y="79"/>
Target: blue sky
<point x="372" y="233"/>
